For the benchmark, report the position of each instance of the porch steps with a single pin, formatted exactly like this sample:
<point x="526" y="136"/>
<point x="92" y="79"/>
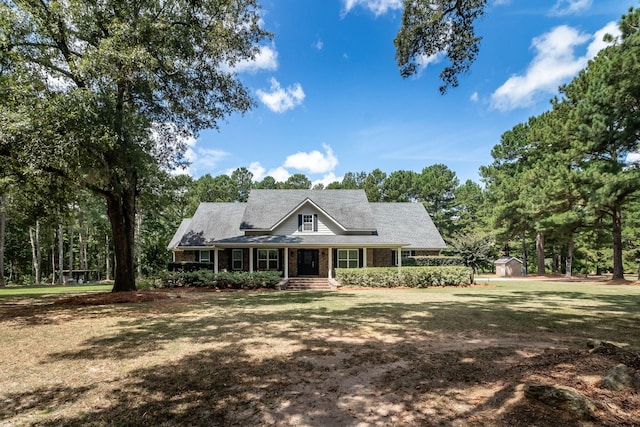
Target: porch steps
<point x="309" y="284"/>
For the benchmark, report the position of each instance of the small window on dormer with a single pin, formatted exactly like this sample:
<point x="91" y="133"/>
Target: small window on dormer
<point x="307" y="222"/>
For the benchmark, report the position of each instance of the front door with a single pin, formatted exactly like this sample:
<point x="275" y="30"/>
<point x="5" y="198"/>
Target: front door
<point x="308" y="262"/>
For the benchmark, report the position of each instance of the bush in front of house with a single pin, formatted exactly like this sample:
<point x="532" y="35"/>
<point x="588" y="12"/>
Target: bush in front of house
<point x="222" y="280"/>
<point x="414" y="277"/>
<point x="435" y="261"/>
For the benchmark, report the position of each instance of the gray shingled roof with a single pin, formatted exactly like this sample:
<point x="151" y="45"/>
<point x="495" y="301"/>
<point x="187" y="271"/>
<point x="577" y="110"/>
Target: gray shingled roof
<point x="349" y="208"/>
<point x="390" y="224"/>
<point x="211" y="222"/>
<point x="407" y="223"/>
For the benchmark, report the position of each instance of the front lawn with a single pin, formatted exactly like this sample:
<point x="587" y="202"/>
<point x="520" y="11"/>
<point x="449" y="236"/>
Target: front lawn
<point x="442" y="356"/>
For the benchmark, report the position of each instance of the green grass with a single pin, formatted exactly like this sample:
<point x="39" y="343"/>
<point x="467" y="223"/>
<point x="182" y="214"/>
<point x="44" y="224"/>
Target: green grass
<point x="309" y="358"/>
<point x="42" y="291"/>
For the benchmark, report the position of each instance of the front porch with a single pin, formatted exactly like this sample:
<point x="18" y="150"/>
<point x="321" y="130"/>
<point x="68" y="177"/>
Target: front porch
<point x="290" y="261"/>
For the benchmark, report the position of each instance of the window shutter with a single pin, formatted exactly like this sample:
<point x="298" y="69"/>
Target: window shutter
<point x="393" y="257"/>
<point x="315" y="222"/>
<point x="360" y="257"/>
<point x="299" y="222"/>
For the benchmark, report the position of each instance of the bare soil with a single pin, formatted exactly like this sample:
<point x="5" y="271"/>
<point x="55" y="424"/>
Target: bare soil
<point x="143" y="364"/>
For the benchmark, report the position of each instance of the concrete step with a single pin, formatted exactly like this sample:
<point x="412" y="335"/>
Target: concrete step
<point x="308" y="284"/>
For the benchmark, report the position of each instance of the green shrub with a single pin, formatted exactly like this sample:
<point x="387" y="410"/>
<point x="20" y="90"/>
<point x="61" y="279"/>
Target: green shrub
<point x="223" y="280"/>
<point x="413" y="277"/>
<point x="436" y="261"/>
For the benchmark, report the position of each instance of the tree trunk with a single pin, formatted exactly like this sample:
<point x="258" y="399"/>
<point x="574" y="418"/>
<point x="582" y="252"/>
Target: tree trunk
<point x="71" y="237"/>
<point x="121" y="212"/>
<point x="139" y="245"/>
<point x="107" y="258"/>
<point x="36" y="256"/>
<point x="60" y="253"/>
<point x="569" y="260"/>
<point x="540" y="253"/>
<point x="3" y="222"/>
<point x="618" y="269"/>
<point x="524" y="255"/>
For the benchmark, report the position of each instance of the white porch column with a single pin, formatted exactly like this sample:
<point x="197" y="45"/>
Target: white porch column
<point x="215" y="261"/>
<point x="286" y="263"/>
<point x="250" y="260"/>
<point x="330" y="261"/>
<point x="364" y="257"/>
<point x="399" y="257"/>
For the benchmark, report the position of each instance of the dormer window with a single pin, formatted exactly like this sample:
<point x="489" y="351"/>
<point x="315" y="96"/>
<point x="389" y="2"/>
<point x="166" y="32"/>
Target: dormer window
<point x="308" y="223"/>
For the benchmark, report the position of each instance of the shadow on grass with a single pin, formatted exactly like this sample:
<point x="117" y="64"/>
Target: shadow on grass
<point x="342" y="383"/>
<point x="350" y="361"/>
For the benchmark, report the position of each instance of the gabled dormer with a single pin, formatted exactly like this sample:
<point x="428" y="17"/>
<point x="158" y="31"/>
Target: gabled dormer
<point x="327" y="212"/>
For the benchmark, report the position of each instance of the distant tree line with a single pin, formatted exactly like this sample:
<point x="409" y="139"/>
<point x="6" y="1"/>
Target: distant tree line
<point x="562" y="192"/>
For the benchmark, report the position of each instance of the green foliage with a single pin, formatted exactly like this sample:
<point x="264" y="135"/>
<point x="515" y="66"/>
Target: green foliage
<point x="434" y="261"/>
<point x="433" y="27"/>
<point x="222" y="280"/>
<point x="475" y="250"/>
<point x="413" y="277"/>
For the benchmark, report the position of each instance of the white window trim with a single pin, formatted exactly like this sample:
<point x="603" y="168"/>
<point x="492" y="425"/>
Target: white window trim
<point x="233" y="259"/>
<point x="208" y="257"/>
<point x="403" y="252"/>
<point x="307" y="223"/>
<point x="348" y="259"/>
<point x="269" y="259"/>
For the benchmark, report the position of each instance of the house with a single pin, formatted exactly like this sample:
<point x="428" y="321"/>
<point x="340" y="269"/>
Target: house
<point x="304" y="233"/>
<point x="508" y="266"/>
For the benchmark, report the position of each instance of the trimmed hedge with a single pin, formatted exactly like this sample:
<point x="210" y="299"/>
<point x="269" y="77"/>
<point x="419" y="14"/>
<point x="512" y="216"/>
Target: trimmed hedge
<point x="414" y="277"/>
<point x="223" y="280"/>
<point x="435" y="261"/>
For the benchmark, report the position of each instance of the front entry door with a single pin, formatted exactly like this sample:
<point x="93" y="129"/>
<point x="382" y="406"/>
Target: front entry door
<point x="308" y="262"/>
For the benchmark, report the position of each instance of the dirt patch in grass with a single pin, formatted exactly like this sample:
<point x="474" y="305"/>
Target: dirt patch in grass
<point x="180" y="357"/>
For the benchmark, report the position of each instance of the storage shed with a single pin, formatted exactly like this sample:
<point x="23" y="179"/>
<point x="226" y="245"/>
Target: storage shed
<point x="508" y="266"/>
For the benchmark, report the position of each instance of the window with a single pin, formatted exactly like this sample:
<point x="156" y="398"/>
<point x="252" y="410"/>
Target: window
<point x="268" y="259"/>
<point x="205" y="256"/>
<point x="236" y="259"/>
<point x="308" y="222"/>
<point x="348" y="258"/>
<point x="403" y="254"/>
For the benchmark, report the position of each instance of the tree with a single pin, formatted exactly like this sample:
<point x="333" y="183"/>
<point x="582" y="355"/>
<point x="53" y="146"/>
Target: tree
<point x="604" y="107"/>
<point x="435" y="188"/>
<point x="373" y="185"/>
<point x="109" y="89"/>
<point x="433" y="27"/>
<point x="399" y="186"/>
<point x="297" y="181"/>
<point x="243" y="180"/>
<point x="469" y="208"/>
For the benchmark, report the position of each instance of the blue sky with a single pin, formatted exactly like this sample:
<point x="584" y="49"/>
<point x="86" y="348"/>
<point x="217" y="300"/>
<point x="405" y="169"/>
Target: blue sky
<point x="330" y="98"/>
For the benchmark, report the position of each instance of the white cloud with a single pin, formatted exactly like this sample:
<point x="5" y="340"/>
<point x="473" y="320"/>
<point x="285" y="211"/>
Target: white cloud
<point x="279" y="99"/>
<point x="280" y="174"/>
<point x="327" y="179"/>
<point x="474" y="97"/>
<point x="319" y="44"/>
<point x="633" y="158"/>
<point x="378" y="7"/>
<point x="313" y="162"/>
<point x="598" y="42"/>
<point x="555" y="63"/>
<point x="501" y="2"/>
<point x="257" y="170"/>
<point x="424" y="61"/>
<point x="569" y="7"/>
<point x="266" y="59"/>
